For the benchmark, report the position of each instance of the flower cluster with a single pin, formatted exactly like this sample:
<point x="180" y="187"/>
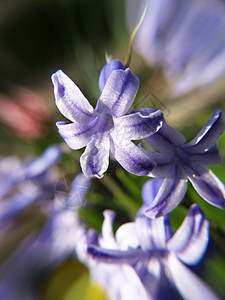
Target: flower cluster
<point x="145" y="259"/>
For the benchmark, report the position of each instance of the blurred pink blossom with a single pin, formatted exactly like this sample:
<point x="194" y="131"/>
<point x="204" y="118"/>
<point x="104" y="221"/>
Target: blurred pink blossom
<point x="24" y="112"/>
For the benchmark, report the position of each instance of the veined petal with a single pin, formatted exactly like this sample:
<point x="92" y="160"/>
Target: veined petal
<point x="188" y="284"/>
<point x="76" y="136"/>
<point x="132" y="158"/>
<point x="137" y="126"/>
<point x="191" y="239"/>
<point x="151" y="233"/>
<point x="114" y="64"/>
<point x="209" y="134"/>
<point x="170" y="194"/>
<point x="70" y="100"/>
<point x="166" y="139"/>
<point x="206" y="184"/>
<point x="119" y="93"/>
<point x="95" y="159"/>
<point x="114" y="256"/>
<point x="210" y="157"/>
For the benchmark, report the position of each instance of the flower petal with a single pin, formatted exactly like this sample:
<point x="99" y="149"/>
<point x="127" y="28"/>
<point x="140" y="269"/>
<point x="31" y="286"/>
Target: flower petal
<point x="114" y="256"/>
<point x="166" y="139"/>
<point x="126" y="236"/>
<point x="191" y="239"/>
<point x="95" y="159"/>
<point x="114" y="64"/>
<point x="132" y="158"/>
<point x="40" y="165"/>
<point x="70" y="100"/>
<point x="119" y="93"/>
<point x="170" y="194"/>
<point x="189" y="285"/>
<point x="206" y="184"/>
<point x="210" y="157"/>
<point x="76" y="136"/>
<point x="137" y="126"/>
<point x="209" y="134"/>
<point x="151" y="233"/>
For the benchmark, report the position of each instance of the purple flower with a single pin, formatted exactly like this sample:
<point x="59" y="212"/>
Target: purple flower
<point x="150" y="248"/>
<point x="24" y="183"/>
<point x="177" y="162"/>
<point x="106" y="129"/>
<point x="62" y="236"/>
<point x="184" y="37"/>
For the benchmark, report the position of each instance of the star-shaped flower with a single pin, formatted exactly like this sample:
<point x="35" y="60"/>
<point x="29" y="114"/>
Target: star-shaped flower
<point x="155" y="253"/>
<point x="177" y="162"/>
<point x="106" y="129"/>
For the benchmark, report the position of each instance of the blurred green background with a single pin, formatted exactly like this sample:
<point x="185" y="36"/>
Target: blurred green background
<point x="39" y="37"/>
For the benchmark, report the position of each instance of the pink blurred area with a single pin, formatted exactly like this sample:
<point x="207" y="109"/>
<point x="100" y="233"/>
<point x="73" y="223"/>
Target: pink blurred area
<point x="24" y="112"/>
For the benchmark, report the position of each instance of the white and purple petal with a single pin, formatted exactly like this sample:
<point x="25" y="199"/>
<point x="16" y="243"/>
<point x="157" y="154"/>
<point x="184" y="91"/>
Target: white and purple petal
<point x="209" y="134"/>
<point x="119" y="93"/>
<point x="75" y="135"/>
<point x="137" y="126"/>
<point x="70" y="100"/>
<point x="188" y="284"/>
<point x="191" y="239"/>
<point x="166" y="139"/>
<point x="114" y="256"/>
<point x="151" y="233"/>
<point x="206" y="184"/>
<point x="131" y="157"/>
<point x="170" y="194"/>
<point x="95" y="159"/>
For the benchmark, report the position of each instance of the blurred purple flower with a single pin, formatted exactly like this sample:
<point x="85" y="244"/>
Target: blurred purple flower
<point x="106" y="129"/>
<point x="185" y="37"/>
<point x="150" y="249"/>
<point x="177" y="162"/>
<point x="63" y="235"/>
<point x="24" y="183"/>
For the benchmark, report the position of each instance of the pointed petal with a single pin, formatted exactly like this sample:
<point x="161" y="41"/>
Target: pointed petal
<point x="166" y="139"/>
<point x="114" y="256"/>
<point x="95" y="159"/>
<point x="188" y="284"/>
<point x="40" y="165"/>
<point x="206" y="184"/>
<point x="119" y="93"/>
<point x="114" y="64"/>
<point x="132" y="157"/>
<point x="76" y="136"/>
<point x="170" y="194"/>
<point x="69" y="99"/>
<point x="137" y="126"/>
<point x="209" y="134"/>
<point x="191" y="239"/>
<point x="210" y="157"/>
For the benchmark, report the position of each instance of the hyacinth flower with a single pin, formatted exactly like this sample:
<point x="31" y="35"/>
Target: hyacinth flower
<point x="62" y="236"/>
<point x="120" y="281"/>
<point x="106" y="129"/>
<point x="178" y="162"/>
<point x="25" y="183"/>
<point x="153" y="252"/>
<point x="184" y="37"/>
